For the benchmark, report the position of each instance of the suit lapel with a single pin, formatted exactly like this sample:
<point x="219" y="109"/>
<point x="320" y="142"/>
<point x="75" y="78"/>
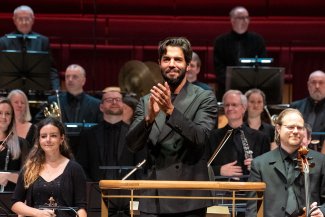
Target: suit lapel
<point x="182" y="102"/>
<point x="278" y="165"/>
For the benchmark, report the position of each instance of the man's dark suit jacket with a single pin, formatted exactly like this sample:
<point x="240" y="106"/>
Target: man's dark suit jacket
<point x="91" y="151"/>
<point x="305" y="106"/>
<point x="269" y="168"/>
<point x="41" y="43"/>
<point x="257" y="141"/>
<point x="176" y="147"/>
<point x="88" y="111"/>
<point x="90" y="155"/>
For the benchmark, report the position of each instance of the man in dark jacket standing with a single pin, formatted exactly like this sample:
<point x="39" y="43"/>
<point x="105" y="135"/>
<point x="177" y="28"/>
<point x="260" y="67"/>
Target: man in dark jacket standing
<point x="172" y="125"/>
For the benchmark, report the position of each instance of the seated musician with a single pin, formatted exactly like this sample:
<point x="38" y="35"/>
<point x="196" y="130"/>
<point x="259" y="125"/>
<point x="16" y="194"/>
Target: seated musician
<point x="13" y="149"/>
<point x="313" y="106"/>
<point x="286" y="188"/>
<point x="104" y="145"/>
<point x="244" y="143"/>
<point x="50" y="184"/>
<point x="25" y="129"/>
<point x="76" y="106"/>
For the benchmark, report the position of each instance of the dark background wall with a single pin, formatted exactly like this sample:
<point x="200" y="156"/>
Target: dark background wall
<point x="102" y="35"/>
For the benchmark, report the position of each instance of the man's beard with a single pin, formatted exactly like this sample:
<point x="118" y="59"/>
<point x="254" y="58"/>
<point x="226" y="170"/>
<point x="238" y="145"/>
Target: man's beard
<point x="174" y="82"/>
<point x="113" y="112"/>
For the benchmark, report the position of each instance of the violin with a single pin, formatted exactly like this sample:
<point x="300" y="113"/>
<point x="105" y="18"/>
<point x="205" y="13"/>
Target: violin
<point x="304" y="165"/>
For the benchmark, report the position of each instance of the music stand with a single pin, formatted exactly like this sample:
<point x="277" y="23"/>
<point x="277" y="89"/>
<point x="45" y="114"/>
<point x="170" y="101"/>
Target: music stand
<point x="25" y="70"/>
<point x="268" y="79"/>
<point x="5" y="204"/>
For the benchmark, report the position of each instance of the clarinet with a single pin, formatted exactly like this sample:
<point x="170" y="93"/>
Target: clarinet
<point x="248" y="152"/>
<point x="2" y="187"/>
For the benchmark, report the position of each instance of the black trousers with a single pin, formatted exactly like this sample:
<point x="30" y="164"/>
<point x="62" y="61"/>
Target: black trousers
<point x="194" y="213"/>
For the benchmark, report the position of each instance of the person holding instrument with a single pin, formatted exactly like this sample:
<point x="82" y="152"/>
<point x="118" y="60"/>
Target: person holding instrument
<point x="23" y="18"/>
<point x="13" y="149"/>
<point x="285" y="191"/>
<point x="50" y="178"/>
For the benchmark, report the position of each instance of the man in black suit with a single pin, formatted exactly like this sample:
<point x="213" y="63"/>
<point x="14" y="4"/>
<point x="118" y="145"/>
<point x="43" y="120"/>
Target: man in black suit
<point x="285" y="190"/>
<point x="26" y="40"/>
<point x="104" y="145"/>
<point x="313" y="107"/>
<point x="244" y="143"/>
<point x="238" y="43"/>
<point x="75" y="105"/>
<point x="172" y="125"/>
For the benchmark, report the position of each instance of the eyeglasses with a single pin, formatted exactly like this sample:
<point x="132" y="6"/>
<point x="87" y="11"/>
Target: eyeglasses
<point x="111" y="100"/>
<point x="235" y="105"/>
<point x="24" y="19"/>
<point x="293" y="127"/>
<point x="242" y="18"/>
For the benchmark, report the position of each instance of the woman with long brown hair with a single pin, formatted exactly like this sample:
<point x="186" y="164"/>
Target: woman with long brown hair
<point x="50" y="177"/>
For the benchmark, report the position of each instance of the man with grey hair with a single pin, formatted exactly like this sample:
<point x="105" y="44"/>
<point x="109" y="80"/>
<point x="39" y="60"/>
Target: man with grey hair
<point x="23" y="39"/>
<point x="244" y="143"/>
<point x="313" y="106"/>
<point x="239" y="43"/>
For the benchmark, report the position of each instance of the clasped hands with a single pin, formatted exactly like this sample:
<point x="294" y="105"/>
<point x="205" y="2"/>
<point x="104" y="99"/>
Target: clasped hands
<point x="160" y="100"/>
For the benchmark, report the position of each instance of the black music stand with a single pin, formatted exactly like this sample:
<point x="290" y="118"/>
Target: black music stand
<point x="5" y="204"/>
<point x="269" y="79"/>
<point x="26" y="70"/>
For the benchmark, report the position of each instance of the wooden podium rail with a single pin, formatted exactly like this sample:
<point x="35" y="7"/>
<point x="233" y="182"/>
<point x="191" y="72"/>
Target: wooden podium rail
<point x="133" y="185"/>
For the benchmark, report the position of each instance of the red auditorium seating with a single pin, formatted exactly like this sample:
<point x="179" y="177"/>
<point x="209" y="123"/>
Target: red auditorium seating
<point x="105" y="36"/>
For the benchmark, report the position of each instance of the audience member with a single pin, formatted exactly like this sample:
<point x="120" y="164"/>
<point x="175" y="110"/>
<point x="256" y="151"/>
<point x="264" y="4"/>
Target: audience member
<point x="24" y="128"/>
<point x="76" y="105"/>
<point x="244" y="143"/>
<point x="13" y="149"/>
<point x="50" y="177"/>
<point x="27" y="40"/>
<point x="104" y="145"/>
<point x="193" y="71"/>
<point x="239" y="43"/>
<point x="129" y="105"/>
<point x="255" y="107"/>
<point x="313" y="107"/>
<point x="285" y="193"/>
<point x="171" y="124"/>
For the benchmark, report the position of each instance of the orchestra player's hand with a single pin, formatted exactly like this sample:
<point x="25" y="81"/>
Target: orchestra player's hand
<point x="315" y="211"/>
<point x="153" y="110"/>
<point x="162" y="95"/>
<point x="231" y="169"/>
<point x="248" y="162"/>
<point x="3" y="179"/>
<point x="45" y="213"/>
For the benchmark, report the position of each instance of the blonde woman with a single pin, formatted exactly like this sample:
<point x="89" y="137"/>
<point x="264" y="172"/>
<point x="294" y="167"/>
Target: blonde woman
<point x="50" y="176"/>
<point x="24" y="127"/>
<point x="13" y="150"/>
